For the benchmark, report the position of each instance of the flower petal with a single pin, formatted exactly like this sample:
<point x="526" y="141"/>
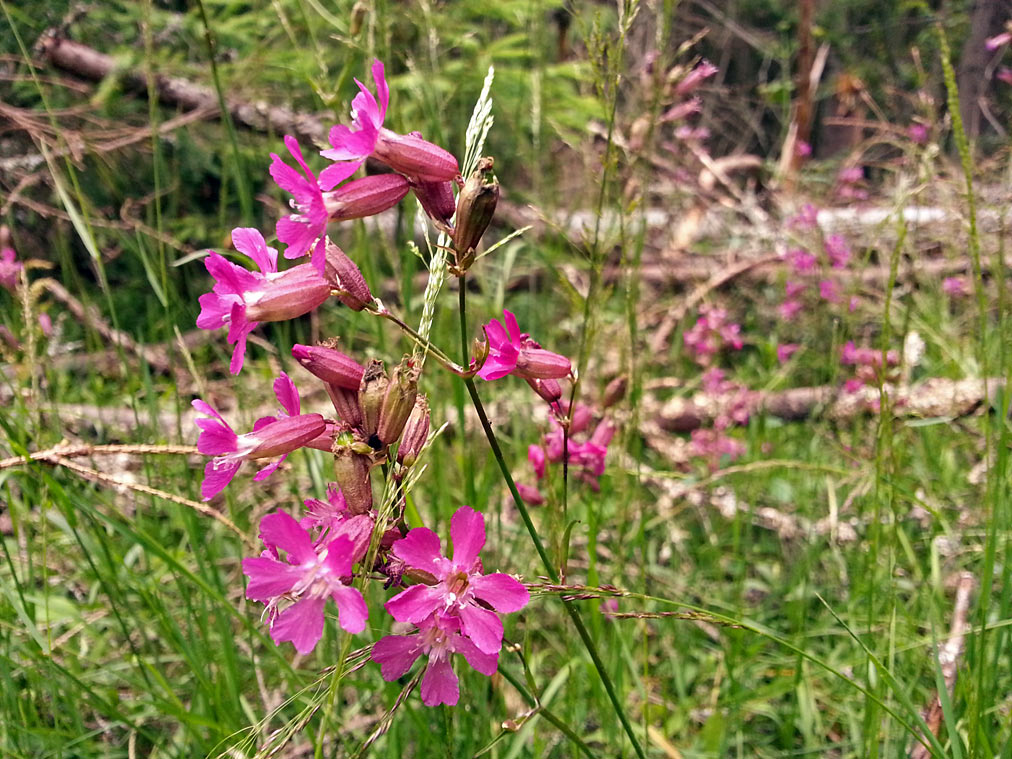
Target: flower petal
<point x="439" y="686"/>
<point x="269" y="578"/>
<point x="395" y="654"/>
<point x="287" y="394"/>
<point x="249" y="241"/>
<point x="487" y="664"/>
<point x="415" y="603"/>
<point x="482" y="626"/>
<point x="217" y="474"/>
<point x="282" y="531"/>
<point x="467" y="529"/>
<point x="301" y="623"/>
<point x="420" y="549"/>
<point x="352" y="611"/>
<point x="504" y="593"/>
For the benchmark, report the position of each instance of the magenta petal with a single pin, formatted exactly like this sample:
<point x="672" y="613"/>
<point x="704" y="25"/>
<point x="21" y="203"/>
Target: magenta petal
<point x="217" y="474"/>
<point x="415" y="603"/>
<point x="351" y="609"/>
<point x="280" y="530"/>
<point x="420" y="549"/>
<point x="496" y="368"/>
<point x="395" y="654"/>
<point x="382" y="90"/>
<point x="467" y="529"/>
<point x="214" y="310"/>
<point x="265" y="472"/>
<point x="269" y="578"/>
<point x="511" y="323"/>
<point x="239" y="353"/>
<point x="336" y="173"/>
<point x="297" y="234"/>
<point x="504" y="593"/>
<point x="439" y="686"/>
<point x="340" y="555"/>
<point x="301" y="623"/>
<point x="287" y="394"/>
<point x="249" y="241"/>
<point x="487" y="664"/>
<point x="497" y="335"/>
<point x="482" y="626"/>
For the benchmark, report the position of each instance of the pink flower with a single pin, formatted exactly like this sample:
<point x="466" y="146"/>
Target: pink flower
<point x="793" y="288"/>
<point x="461" y="590"/>
<point x="807" y="218"/>
<point x="710" y="333"/>
<point x="918" y="133"/>
<point x="801" y="261"/>
<point x="955" y="286"/>
<point x="803" y="149"/>
<point x="271" y="436"/>
<point x="536" y="456"/>
<point x="10" y="269"/>
<point x="1004" y="74"/>
<point x="850" y="175"/>
<point x="789" y="309"/>
<point x="999" y="40"/>
<point x="242" y="299"/>
<point x="837" y="251"/>
<point x="852" y="385"/>
<point x="438" y="636"/>
<point x="785" y="351"/>
<point x="332" y="518"/>
<point x="514" y="352"/>
<point x="407" y="154"/>
<point x="531" y="495"/>
<point x="829" y="291"/>
<point x="714" y="445"/>
<point x="681" y="110"/>
<point x="696" y="77"/>
<point x="367" y="196"/>
<point x="304" y="230"/>
<point x="309" y="575"/>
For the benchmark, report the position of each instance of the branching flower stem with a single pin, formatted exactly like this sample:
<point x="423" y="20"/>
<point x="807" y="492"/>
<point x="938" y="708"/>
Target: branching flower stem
<point x="550" y="569"/>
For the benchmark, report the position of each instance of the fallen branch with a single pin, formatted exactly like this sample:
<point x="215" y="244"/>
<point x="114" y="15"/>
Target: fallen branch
<point x="88" y="63"/>
<point x="928" y="399"/>
<point x="948" y="660"/>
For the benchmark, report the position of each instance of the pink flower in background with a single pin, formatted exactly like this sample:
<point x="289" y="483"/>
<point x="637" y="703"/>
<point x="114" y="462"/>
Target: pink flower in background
<point x="10" y="269"/>
<point x="681" y="110"/>
<point x="308" y="576"/>
<point x="793" y="288"/>
<point x="837" y="251"/>
<point x="536" y="456"/>
<point x="714" y="446"/>
<point x="955" y="286"/>
<point x="531" y="495"/>
<point x="711" y="332"/>
<point x="438" y="637"/>
<point x="1004" y="74"/>
<point x="999" y="40"/>
<point x="514" y="352"/>
<point x="785" y="351"/>
<point x="801" y="261"/>
<point x="242" y="299"/>
<point x="850" y="175"/>
<point x="806" y="218"/>
<point x="852" y="385"/>
<point x="918" y="133"/>
<point x="408" y="154"/>
<point x="829" y="291"/>
<point x="271" y="436"/>
<point x="803" y="149"/>
<point x="696" y="77"/>
<point x="461" y="589"/>
<point x="789" y="309"/>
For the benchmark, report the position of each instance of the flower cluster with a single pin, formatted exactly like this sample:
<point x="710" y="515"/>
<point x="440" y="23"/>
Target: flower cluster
<point x="380" y="420"/>
<point x="867" y="363"/>
<point x="712" y="331"/>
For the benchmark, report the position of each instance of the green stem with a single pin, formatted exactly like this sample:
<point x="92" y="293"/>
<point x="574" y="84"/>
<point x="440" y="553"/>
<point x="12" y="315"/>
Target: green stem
<point x="469" y="486"/>
<point x="543" y="711"/>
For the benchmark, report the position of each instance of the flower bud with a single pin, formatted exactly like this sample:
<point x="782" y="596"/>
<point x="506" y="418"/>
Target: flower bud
<point x="475" y="208"/>
<point x="346" y="404"/>
<point x="287" y="295"/>
<point x="351" y="471"/>
<point x="437" y="200"/>
<point x="419" y="159"/>
<point x="286" y="434"/>
<point x="367" y="196"/>
<point x="549" y="390"/>
<point x="416" y="432"/>
<point x="329" y="365"/>
<point x="371" y="392"/>
<point x="358" y="14"/>
<point x="615" y="391"/>
<point x="398" y="401"/>
<point x="344" y="276"/>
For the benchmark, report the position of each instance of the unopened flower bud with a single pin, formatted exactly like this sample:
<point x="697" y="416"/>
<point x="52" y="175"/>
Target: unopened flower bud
<point x="371" y="393"/>
<point x="437" y="200"/>
<point x="615" y="391"/>
<point x="358" y="13"/>
<point x="351" y="471"/>
<point x="481" y="350"/>
<point x="550" y="390"/>
<point x="409" y="154"/>
<point x="398" y="401"/>
<point x="537" y="363"/>
<point x="329" y="365"/>
<point x="367" y="196"/>
<point x="346" y="404"/>
<point x="345" y="277"/>
<point x="286" y="434"/>
<point x="416" y="432"/>
<point x="475" y="208"/>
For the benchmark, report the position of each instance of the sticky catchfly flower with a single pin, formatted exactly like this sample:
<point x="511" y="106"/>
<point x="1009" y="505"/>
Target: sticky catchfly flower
<point x="461" y="590"/>
<point x="10" y="268"/>
<point x="511" y="351"/>
<point x="242" y="299"/>
<point x="308" y="575"/>
<point x="271" y="436"/>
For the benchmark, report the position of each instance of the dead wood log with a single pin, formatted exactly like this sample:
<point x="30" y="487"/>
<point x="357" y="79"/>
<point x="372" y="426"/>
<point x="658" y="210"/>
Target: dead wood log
<point x="931" y="398"/>
<point x="88" y="63"/>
